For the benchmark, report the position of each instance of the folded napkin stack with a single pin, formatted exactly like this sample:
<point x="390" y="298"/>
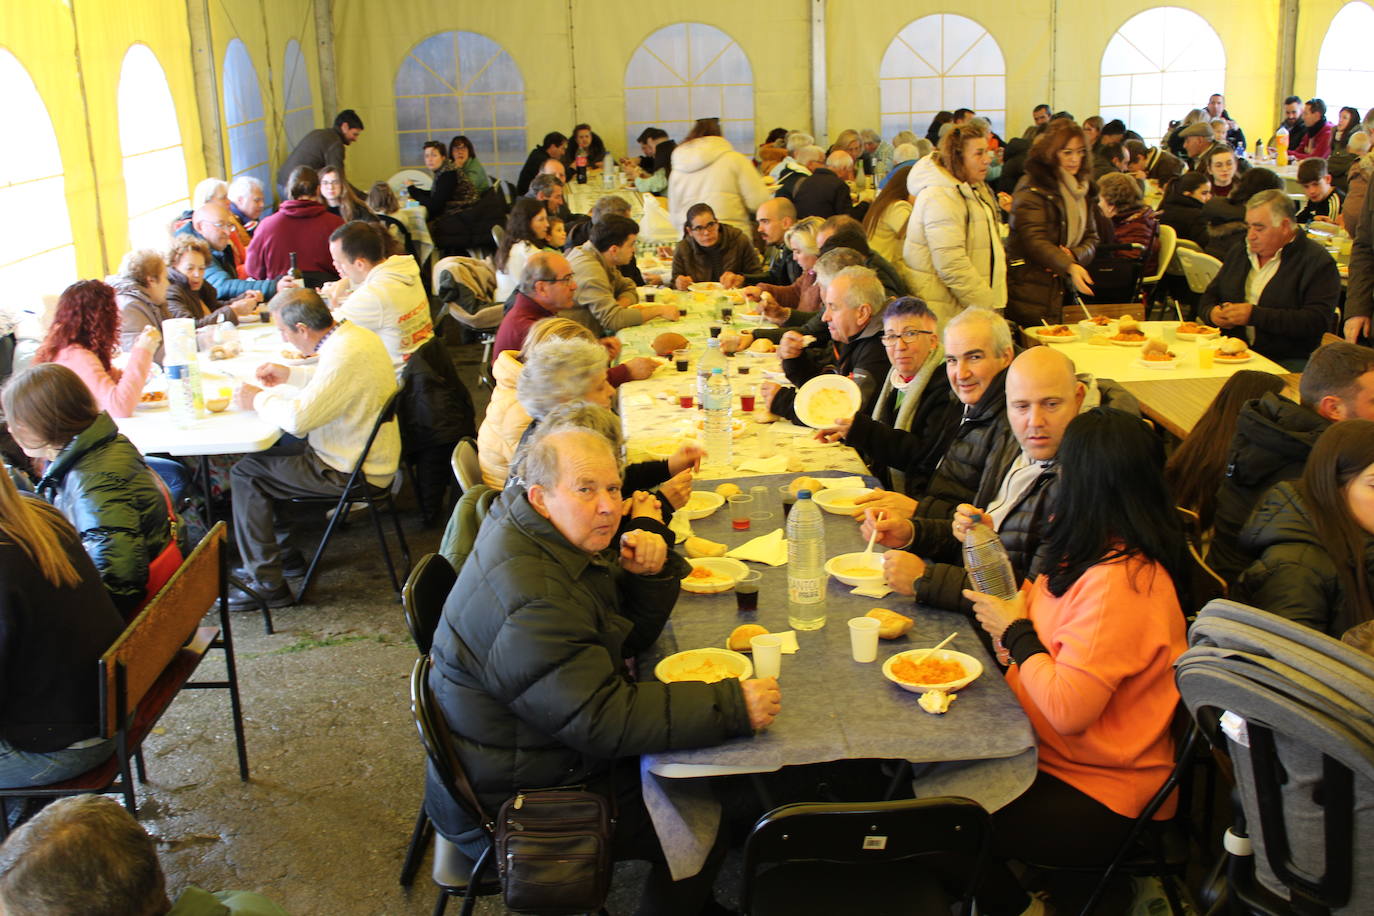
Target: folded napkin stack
<point x="768" y="548"/>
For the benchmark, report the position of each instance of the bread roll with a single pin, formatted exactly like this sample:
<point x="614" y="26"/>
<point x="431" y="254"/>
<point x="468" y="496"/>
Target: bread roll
<point x="1154" y="345"/>
<point x="665" y="343"/>
<point x="1231" y="346"/>
<point x="697" y="548"/>
<point x="740" y="636"/>
<point x="726" y="490"/>
<point x="891" y="623"/>
<point x="763" y="345"/>
<point x="805" y="483"/>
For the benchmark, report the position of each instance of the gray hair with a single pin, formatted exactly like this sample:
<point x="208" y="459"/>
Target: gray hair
<point x="903" y="136"/>
<point x="208" y="189"/>
<point x="558" y="371"/>
<point x="995" y="323"/>
<point x="1359" y="143"/>
<point x="863" y="288"/>
<point x="544" y="184"/>
<point x="982" y="122"/>
<point x="81" y="854"/>
<point x="142" y="266"/>
<point x="539" y="461"/>
<point x="923" y="147"/>
<point x="243" y="186"/>
<point x="585" y="415"/>
<point x="839" y="161"/>
<point x="808" y="154"/>
<point x="610" y="205"/>
<point x="796" y="140"/>
<point x="836" y="260"/>
<point x="803" y="232"/>
<point x="869" y="135"/>
<point x="906" y="151"/>
<point x="301" y="306"/>
<point x="539" y="269"/>
<point x="1278" y="202"/>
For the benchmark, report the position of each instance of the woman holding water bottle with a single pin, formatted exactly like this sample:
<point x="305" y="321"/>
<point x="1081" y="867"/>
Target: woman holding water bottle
<point x="1092" y="638"/>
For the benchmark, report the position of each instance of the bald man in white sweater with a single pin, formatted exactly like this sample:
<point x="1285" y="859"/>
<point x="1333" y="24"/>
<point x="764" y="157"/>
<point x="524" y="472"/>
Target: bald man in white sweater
<point x="327" y="412"/>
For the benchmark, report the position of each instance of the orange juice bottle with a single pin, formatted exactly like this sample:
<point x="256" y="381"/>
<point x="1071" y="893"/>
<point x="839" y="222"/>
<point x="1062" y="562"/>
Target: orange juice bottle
<point x="1281" y="147"/>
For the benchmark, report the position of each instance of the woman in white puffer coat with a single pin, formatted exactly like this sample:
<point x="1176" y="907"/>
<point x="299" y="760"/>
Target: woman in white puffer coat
<point x="954" y="239"/>
<point x="707" y="170"/>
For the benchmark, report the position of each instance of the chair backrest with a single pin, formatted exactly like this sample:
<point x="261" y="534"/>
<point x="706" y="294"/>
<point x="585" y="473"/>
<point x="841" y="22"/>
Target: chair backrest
<point x="1112" y="310"/>
<point x="423" y="597"/>
<point x="1168" y="242"/>
<point x="868" y="834"/>
<point x="466" y="466"/>
<point x="435" y="735"/>
<point x="135" y="660"/>
<point x="1204" y="584"/>
<point x="387" y="415"/>
<point x="498" y="235"/>
<point x="1198" y="267"/>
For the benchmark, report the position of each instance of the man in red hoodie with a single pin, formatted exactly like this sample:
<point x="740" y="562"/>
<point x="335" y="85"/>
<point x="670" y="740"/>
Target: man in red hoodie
<point x="302" y="227"/>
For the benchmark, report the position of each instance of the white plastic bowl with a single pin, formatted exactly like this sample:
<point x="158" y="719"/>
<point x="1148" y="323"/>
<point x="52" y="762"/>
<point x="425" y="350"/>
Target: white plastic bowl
<point x="835" y="566"/>
<point x="729" y="569"/>
<point x="671" y="668"/>
<point x="840" y="500"/>
<point x="700" y="504"/>
<point x="972" y="669"/>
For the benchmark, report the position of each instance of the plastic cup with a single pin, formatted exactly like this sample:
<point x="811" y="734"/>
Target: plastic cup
<point x="687" y="395"/>
<point x="741" y="507"/>
<point x="746" y="399"/>
<point x="863" y="639"/>
<point x="763" y="503"/>
<point x="788" y="499"/>
<point x="1206" y="355"/>
<point x="1171" y="331"/>
<point x="649" y="295"/>
<point x="768" y="654"/>
<point x="715" y="330"/>
<point x="747" y="591"/>
<point x="681" y="358"/>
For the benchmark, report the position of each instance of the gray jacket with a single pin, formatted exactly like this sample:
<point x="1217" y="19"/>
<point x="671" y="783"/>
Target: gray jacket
<point x="599" y="285"/>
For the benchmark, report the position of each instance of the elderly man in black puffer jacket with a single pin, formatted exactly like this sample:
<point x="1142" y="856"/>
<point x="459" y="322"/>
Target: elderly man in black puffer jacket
<point x="529" y="657"/>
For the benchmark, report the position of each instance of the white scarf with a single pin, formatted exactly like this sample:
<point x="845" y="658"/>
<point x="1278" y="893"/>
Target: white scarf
<point x="1075" y="192"/>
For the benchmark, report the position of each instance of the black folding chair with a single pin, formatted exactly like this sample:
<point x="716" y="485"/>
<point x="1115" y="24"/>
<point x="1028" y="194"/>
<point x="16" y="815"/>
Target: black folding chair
<point x="825" y="858"/>
<point x="359" y="490"/>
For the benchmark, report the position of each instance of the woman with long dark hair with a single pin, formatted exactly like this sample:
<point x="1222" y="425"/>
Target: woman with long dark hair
<point x="84" y="336"/>
<point x="1313" y="537"/>
<point x="527" y="230"/>
<point x="1093" y="638"/>
<point x="1345" y="129"/>
<point x="1053" y="232"/>
<point x="1197" y="466"/>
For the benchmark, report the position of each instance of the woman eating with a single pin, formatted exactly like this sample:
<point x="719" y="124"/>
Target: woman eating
<point x="1092" y="640"/>
<point x="83" y="337"/>
<point x="141" y="295"/>
<point x="190" y="296"/>
<point x="527" y="230"/>
<point x="802" y="293"/>
<point x="1313" y="537"/>
<point x="711" y="251"/>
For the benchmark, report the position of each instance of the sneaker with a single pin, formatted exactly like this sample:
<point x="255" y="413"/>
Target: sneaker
<point x="240" y="600"/>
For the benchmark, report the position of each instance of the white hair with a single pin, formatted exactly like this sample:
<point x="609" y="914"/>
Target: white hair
<point x="839" y="161"/>
<point x="809" y="154"/>
<point x="996" y="324"/>
<point x="243" y="186"/>
<point x="1278" y="202"/>
<point x="906" y="151"/>
<point x="796" y="140"/>
<point x="558" y="371"/>
<point x="903" y="136"/>
<point x="869" y="135"/>
<point x="575" y="415"/>
<point x="862" y="288"/>
<point x="209" y="189"/>
<point x="539" y="464"/>
<point x="1359" y="143"/>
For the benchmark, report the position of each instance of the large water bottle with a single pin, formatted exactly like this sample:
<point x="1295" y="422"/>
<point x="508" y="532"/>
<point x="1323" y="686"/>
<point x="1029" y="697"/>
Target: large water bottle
<point x="180" y="401"/>
<point x="718" y="437"/>
<point x="989" y="571"/>
<point x="805" y="565"/>
<point x="608" y="172"/>
<point x="713" y="358"/>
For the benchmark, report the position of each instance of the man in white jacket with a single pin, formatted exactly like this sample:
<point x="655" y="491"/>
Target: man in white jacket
<point x="333" y="406"/>
<point x="385" y="294"/>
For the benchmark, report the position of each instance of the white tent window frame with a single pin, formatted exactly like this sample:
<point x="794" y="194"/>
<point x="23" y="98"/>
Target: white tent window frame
<point x="154" y="163"/>
<point x="298" y="114"/>
<point x="38" y="252"/>
<point x="1147" y="77"/>
<point x="685" y="71"/>
<point x="462" y="83"/>
<point x="941" y="62"/>
<point x="1344" y="68"/>
<point x="245" y="116"/>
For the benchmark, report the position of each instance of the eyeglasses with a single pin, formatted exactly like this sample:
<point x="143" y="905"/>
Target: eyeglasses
<point x="705" y="227"/>
<point x="910" y="336"/>
<point x="567" y="279"/>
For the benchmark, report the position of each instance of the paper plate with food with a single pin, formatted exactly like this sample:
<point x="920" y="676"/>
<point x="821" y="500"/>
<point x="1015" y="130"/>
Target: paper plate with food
<point x="709" y="665"/>
<point x="711" y="575"/>
<point x="840" y="500"/>
<point x="661" y="447"/>
<point x="701" y="504"/>
<point x="1233" y="350"/>
<point x="856" y="568"/>
<point x="706" y="287"/>
<point x="152" y="399"/>
<point x="293" y="357"/>
<point x="1155" y="354"/>
<point x="1054" y="333"/>
<point x="826" y="398"/>
<point x="918" y="670"/>
<point x="1192" y="330"/>
<point x="1097" y="323"/>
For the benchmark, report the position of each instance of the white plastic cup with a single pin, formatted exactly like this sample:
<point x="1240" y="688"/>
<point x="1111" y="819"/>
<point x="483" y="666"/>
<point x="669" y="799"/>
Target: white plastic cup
<point x="768" y="654"/>
<point x="863" y="639"/>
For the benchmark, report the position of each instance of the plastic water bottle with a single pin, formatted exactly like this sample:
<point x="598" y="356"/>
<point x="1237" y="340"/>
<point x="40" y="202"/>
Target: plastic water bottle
<point x="989" y="570"/>
<point x="713" y="358"/>
<point x="179" y="399"/>
<point x="608" y="172"/>
<point x="805" y="565"/>
<point x="718" y="437"/>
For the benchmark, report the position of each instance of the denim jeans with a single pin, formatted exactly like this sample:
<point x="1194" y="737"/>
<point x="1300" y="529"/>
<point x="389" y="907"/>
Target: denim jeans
<point x="19" y="768"/>
<point x="174" y="474"/>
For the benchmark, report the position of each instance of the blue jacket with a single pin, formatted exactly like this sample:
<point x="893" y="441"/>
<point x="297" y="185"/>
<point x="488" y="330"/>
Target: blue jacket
<point x="222" y="271"/>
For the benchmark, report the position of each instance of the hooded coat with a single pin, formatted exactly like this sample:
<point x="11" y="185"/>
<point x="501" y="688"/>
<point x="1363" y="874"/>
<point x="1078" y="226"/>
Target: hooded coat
<point x="302" y="226"/>
<point x="137" y="310"/>
<point x="954" y="242"/>
<point x="391" y="301"/>
<point x="707" y="170"/>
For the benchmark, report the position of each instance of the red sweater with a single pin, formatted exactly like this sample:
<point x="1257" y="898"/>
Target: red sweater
<point x="1102" y="699"/>
<point x="302" y="226"/>
<point x="1315" y="142"/>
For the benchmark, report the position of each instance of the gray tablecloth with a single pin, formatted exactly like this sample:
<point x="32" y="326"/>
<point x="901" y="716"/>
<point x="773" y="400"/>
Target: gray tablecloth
<point x="834" y="708"/>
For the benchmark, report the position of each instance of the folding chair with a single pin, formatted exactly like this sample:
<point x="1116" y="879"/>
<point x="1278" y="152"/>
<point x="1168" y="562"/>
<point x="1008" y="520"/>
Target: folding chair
<point x="466" y="467"/>
<point x="454" y="873"/>
<point x="359" y="490"/>
<point x="826" y="857"/>
<point x="1168" y="243"/>
<point x="464" y="524"/>
<point x="1198" y="268"/>
<point x="149" y="664"/>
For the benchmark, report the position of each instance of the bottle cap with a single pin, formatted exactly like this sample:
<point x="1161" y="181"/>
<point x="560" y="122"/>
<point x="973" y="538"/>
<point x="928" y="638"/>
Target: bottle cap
<point x="717" y="371"/>
<point x="803" y="494"/>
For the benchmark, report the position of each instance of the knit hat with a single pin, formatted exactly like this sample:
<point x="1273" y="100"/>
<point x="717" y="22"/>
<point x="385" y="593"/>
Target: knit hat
<point x="1199" y="129"/>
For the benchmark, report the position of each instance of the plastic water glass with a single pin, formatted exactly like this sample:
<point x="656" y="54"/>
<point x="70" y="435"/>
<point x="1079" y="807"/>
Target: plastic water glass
<point x="788" y="499"/>
<point x="747" y="591"/>
<point x="863" y="638"/>
<point x="741" y="509"/>
<point x="681" y="358"/>
<point x="768" y="654"/>
<point x="1206" y="354"/>
<point x="763" y="503"/>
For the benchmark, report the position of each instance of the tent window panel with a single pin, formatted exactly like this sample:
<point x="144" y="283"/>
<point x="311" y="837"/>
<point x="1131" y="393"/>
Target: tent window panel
<point x="939" y="63"/>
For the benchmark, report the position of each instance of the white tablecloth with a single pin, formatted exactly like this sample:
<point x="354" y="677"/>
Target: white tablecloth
<point x="1123" y="364"/>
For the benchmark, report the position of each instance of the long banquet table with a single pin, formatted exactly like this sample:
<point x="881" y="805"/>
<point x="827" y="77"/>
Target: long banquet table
<point x="832" y="707"/>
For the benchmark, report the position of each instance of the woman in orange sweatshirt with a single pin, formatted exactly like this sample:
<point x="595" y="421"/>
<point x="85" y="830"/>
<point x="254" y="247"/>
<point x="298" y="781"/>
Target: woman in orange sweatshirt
<point x="1092" y="638"/>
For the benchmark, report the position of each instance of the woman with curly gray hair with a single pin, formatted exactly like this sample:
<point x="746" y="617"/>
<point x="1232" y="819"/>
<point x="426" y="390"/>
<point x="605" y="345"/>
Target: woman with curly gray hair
<point x="141" y="294"/>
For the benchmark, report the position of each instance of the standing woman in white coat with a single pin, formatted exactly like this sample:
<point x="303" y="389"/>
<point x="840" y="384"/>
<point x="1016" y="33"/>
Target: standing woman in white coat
<point x="954" y="238"/>
<point x="707" y="170"/>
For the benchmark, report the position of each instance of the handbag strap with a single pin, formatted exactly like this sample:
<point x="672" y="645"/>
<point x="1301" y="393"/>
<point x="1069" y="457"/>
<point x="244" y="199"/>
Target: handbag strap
<point x="172" y="521"/>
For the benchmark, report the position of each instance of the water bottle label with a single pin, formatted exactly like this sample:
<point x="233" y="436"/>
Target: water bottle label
<point x="804" y="591"/>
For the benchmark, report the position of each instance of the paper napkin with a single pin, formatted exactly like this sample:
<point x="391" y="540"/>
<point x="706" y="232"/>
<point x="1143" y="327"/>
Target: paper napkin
<point x="774" y="464"/>
<point x="680" y="526"/>
<point x="768" y="548"/>
<point x="832" y="483"/>
<point x="872" y="591"/>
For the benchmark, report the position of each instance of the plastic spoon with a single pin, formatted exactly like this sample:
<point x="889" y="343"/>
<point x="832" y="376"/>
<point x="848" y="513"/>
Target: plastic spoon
<point x="868" y="551"/>
<point x="944" y="642"/>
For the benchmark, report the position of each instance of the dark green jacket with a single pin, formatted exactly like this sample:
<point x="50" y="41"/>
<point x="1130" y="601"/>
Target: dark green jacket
<point x="100" y="483"/>
<point x="529" y="666"/>
<point x="1294" y="576"/>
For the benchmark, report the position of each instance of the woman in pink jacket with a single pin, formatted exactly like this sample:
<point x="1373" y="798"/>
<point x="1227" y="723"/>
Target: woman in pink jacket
<point x="85" y="335"/>
<point x="1092" y="638"/>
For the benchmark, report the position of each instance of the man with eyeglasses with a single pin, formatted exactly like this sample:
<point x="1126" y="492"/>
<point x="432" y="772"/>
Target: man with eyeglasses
<point x="212" y="223"/>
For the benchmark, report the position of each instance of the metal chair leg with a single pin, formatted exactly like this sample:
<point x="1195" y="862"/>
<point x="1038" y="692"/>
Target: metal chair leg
<point x="386" y="551"/>
<point x="419" y="839"/>
<point x="138" y="765"/>
<point x="340" y="511"/>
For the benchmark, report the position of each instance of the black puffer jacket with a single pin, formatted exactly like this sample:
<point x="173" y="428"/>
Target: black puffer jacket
<point x="915" y="452"/>
<point x="980" y="431"/>
<point x="864" y="355"/>
<point x="1273" y="438"/>
<point x="1294" y="576"/>
<point x="102" y="486"/>
<point x="528" y="666"/>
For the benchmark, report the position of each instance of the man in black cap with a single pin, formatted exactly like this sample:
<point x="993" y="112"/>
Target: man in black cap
<point x="322" y="147"/>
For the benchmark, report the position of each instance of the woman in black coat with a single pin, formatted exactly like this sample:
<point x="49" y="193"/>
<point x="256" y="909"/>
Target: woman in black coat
<point x="451" y="191"/>
<point x="95" y="476"/>
<point x="1182" y="208"/>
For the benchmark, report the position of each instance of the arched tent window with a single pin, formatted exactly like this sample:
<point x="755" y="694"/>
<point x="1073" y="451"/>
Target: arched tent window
<point x="940" y="63"/>
<point x="37" y="255"/>
<point x="462" y="83"/>
<point x="1345" y="70"/>
<point x="687" y="71"/>
<point x="155" y="183"/>
<point x="300" y="107"/>
<point x="1160" y="65"/>
<point x="244" y="116"/>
